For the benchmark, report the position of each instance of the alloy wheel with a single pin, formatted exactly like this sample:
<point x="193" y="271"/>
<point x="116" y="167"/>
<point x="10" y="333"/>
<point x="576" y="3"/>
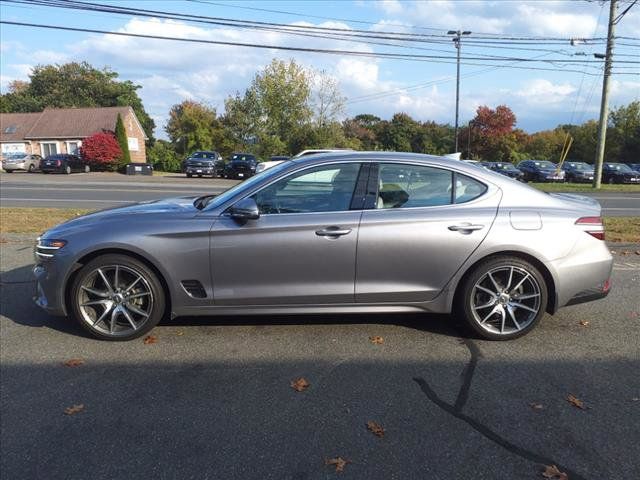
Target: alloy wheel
<point x="506" y="300"/>
<point x="115" y="300"/>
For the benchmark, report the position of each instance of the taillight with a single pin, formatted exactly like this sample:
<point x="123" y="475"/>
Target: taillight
<point x="593" y="226"/>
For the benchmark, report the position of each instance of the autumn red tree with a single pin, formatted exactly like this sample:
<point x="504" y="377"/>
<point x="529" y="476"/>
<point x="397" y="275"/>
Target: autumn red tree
<point x="101" y="150"/>
<point x="493" y="135"/>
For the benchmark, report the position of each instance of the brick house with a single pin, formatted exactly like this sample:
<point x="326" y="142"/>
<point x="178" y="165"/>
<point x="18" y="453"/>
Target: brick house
<point x="61" y="130"/>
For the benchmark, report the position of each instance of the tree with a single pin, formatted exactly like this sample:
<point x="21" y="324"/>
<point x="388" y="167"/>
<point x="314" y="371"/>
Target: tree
<point x="194" y="126"/>
<point x="121" y="136"/>
<point x="74" y="85"/>
<point x="493" y="134"/>
<point x="624" y="133"/>
<point x="101" y="151"/>
<point x="163" y="157"/>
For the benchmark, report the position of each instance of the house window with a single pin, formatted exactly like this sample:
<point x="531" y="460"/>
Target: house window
<point x="11" y="129"/>
<point x="49" y="148"/>
<point x="73" y="147"/>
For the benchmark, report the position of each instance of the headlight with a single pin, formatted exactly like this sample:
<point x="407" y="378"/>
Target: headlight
<point x="47" y="247"/>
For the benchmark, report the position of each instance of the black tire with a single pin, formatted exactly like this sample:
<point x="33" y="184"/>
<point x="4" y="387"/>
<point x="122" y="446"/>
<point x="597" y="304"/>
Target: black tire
<point x="199" y="176"/>
<point x="157" y="300"/>
<point x="611" y="181"/>
<point x="189" y="175"/>
<point x="9" y="171"/>
<point x="467" y="296"/>
<point x="31" y="168"/>
<point x="44" y="171"/>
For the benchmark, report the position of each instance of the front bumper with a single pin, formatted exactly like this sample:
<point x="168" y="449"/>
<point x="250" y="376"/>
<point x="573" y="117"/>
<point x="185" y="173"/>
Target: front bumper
<point x="200" y="170"/>
<point x="47" y="294"/>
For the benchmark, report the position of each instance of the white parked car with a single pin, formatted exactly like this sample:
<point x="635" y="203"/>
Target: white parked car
<point x="278" y="160"/>
<point x="20" y="161"/>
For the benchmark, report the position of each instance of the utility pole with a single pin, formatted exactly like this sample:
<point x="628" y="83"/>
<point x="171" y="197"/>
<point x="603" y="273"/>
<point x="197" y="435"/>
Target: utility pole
<point x="604" y="103"/>
<point x="456" y="40"/>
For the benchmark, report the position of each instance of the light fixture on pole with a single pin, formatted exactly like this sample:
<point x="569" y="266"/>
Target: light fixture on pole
<point x="456" y="40"/>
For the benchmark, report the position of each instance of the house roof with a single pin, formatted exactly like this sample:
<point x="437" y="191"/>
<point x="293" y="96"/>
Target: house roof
<point x="14" y="126"/>
<point x="62" y="122"/>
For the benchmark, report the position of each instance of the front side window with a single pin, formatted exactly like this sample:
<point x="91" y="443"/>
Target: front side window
<point x="327" y="188"/>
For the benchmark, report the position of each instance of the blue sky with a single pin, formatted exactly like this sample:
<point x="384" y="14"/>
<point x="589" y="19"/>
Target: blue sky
<point x="170" y="72"/>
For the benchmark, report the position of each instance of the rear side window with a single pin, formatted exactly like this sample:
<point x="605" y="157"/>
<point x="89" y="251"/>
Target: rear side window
<point x="407" y="186"/>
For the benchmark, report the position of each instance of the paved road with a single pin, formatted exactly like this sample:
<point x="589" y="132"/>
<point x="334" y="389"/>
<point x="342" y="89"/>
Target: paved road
<point x="99" y="190"/>
<point x="211" y="399"/>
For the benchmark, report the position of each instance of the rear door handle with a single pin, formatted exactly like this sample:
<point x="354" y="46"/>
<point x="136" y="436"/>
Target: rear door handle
<point x="465" y="227"/>
<point x="333" y="232"/>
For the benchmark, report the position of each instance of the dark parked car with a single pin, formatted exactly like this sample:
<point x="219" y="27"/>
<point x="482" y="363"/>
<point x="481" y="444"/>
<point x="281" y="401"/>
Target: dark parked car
<point x="578" y="172"/>
<point x="619" y="173"/>
<point x="241" y="166"/>
<point x="203" y="163"/>
<point x="635" y="166"/>
<point x="504" y="168"/>
<point x="64" y="163"/>
<point x="540" y="171"/>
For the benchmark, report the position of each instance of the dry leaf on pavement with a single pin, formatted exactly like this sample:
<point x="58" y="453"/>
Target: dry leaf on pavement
<point x="74" y="362"/>
<point x="551" y="471"/>
<point x="576" y="402"/>
<point x="536" y="406"/>
<point x="376" y="340"/>
<point x="375" y="428"/>
<point x="74" y="409"/>
<point x="180" y="333"/>
<point x="300" y="384"/>
<point x="339" y="462"/>
<point x="584" y="323"/>
<point x="150" y="339"/>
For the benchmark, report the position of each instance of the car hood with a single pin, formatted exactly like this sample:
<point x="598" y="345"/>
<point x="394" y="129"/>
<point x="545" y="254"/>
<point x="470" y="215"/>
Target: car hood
<point x="169" y="206"/>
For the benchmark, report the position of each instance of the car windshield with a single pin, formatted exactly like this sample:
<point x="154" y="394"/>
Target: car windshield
<point x="210" y="155"/>
<point x="545" y="164"/>
<point x="580" y="166"/>
<point x="620" y="167"/>
<point x="244" y="186"/>
<point x="505" y="166"/>
<point x="242" y="158"/>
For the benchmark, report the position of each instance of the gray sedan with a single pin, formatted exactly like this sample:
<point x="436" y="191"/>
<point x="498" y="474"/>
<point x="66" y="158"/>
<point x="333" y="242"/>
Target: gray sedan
<point x="12" y="162"/>
<point x="333" y="233"/>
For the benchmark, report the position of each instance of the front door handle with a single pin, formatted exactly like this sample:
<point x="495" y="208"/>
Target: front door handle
<point x="465" y="227"/>
<point x="333" y="232"/>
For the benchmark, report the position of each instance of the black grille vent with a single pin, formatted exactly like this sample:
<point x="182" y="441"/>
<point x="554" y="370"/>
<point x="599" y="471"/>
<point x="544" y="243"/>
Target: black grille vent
<point x="194" y="288"/>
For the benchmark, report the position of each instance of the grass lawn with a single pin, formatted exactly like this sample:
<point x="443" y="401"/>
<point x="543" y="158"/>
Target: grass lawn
<point x="37" y="220"/>
<point x="584" y="187"/>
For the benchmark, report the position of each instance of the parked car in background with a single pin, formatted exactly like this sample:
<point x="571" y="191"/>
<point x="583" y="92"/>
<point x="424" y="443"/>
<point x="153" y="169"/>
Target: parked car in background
<point x="241" y="166"/>
<point x="619" y="173"/>
<point x="578" y="172"/>
<point x="356" y="232"/>
<point x="540" y="171"/>
<point x="634" y="166"/>
<point x="273" y="161"/>
<point x="505" y="168"/>
<point x="203" y="163"/>
<point x="64" y="163"/>
<point x="12" y="162"/>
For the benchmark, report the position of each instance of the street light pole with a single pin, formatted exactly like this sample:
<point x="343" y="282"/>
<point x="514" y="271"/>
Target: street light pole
<point x="604" y="103"/>
<point x="456" y="40"/>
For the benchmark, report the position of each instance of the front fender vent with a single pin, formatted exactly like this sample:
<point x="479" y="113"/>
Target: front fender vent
<point x="194" y="288"/>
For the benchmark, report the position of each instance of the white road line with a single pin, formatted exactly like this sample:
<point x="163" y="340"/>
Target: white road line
<point x="85" y="200"/>
<point x="74" y="189"/>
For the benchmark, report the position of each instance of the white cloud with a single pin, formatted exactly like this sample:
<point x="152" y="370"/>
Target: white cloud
<point x="540" y="91"/>
<point x="390" y="6"/>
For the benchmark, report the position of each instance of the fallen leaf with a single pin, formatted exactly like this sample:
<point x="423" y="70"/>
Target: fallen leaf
<point x="625" y="252"/>
<point x="74" y="409"/>
<point x="637" y="252"/>
<point x="300" y="385"/>
<point x="375" y="428"/>
<point x="339" y="462"/>
<point x="180" y="333"/>
<point x="150" y="339"/>
<point x="376" y="340"/>
<point x="584" y="323"/>
<point x="74" y="362"/>
<point x="536" y="406"/>
<point x="551" y="471"/>
<point x="576" y="402"/>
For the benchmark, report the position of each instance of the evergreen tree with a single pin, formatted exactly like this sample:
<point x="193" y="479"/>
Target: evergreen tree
<point x="121" y="136"/>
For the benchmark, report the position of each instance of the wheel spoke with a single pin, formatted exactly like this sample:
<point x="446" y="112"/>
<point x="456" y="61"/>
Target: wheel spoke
<point x="486" y="290"/>
<point x="105" y="301"/>
<point x="493" y="281"/>
<point x="522" y="305"/>
<point x="106" y="282"/>
<point x="491" y="313"/>
<point x="136" y="310"/>
<point x="95" y="292"/>
<point x="138" y="295"/>
<point x="513" y="316"/>
<point x="510" y="279"/>
<point x="526" y="297"/>
<point x="486" y="305"/>
<point x="133" y="284"/>
<point x="107" y="309"/>
<point x="522" y="280"/>
<point x="115" y="278"/>
<point x="128" y="316"/>
<point x="503" y="317"/>
<point x="114" y="317"/>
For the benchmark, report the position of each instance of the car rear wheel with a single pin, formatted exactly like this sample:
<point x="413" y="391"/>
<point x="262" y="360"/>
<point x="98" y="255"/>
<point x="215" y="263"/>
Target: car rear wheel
<point x="87" y="169"/>
<point x="67" y="170"/>
<point x="503" y="298"/>
<point x="31" y="168"/>
<point x="117" y="297"/>
<point x="189" y="175"/>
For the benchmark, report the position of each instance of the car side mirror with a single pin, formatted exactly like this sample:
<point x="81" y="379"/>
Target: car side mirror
<point x="245" y="209"/>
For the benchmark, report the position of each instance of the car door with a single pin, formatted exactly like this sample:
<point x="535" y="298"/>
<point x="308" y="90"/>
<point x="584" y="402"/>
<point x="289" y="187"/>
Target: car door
<point x="302" y="248"/>
<point x="425" y="223"/>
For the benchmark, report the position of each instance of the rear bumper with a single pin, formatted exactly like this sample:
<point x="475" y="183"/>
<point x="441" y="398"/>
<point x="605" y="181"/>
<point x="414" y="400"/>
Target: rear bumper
<point x="15" y="166"/>
<point x="591" y="294"/>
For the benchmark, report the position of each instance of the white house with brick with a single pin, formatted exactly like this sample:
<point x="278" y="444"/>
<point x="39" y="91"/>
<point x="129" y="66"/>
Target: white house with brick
<point x="61" y="130"/>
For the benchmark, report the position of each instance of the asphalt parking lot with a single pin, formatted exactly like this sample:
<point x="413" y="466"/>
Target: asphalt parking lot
<point x="102" y="190"/>
<point x="212" y="397"/>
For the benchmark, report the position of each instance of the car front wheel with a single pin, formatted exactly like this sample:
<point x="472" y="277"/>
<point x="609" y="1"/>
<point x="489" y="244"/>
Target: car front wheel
<point x="67" y="170"/>
<point x="503" y="298"/>
<point x="116" y="297"/>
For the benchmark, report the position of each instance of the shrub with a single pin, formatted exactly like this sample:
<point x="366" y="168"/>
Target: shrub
<point x="163" y="157"/>
<point x="101" y="151"/>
